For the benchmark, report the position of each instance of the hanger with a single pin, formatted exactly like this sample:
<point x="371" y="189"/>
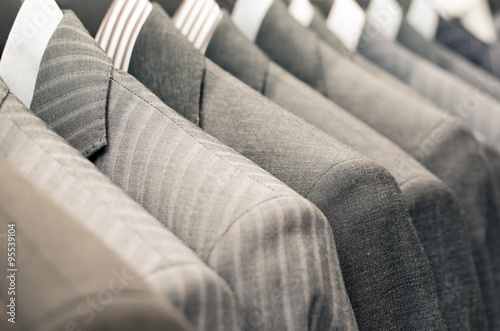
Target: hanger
<point x="8" y="13"/>
<point x="90" y="12"/>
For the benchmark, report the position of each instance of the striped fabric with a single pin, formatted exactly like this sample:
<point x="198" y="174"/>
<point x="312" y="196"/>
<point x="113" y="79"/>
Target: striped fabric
<point x="197" y="20"/>
<point x="62" y="264"/>
<point x="72" y="181"/>
<point x="120" y="27"/>
<point x="274" y="248"/>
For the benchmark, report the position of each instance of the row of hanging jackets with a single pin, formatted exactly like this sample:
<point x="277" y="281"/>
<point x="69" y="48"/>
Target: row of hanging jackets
<point x="247" y="164"/>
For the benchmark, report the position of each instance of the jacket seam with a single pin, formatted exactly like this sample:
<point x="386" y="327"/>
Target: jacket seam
<point x="7" y="92"/>
<point x="327" y="171"/>
<point x="233" y="223"/>
<point x="440" y="124"/>
<point x="200" y="102"/>
<point x="408" y="181"/>
<point x="265" y="78"/>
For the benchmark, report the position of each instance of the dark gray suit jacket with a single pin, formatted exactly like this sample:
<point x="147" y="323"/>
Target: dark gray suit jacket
<point x="432" y="137"/>
<point x="273" y="248"/>
<point x="61" y="265"/>
<point x="372" y="229"/>
<point x="431" y="204"/>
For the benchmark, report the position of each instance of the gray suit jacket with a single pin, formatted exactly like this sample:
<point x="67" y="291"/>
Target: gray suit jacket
<point x="431" y="203"/>
<point x="274" y="248"/>
<point x="61" y="265"/>
<point x="373" y="232"/>
<point x="479" y="110"/>
<point x="68" y="178"/>
<point x="449" y="60"/>
<point x="432" y="137"/>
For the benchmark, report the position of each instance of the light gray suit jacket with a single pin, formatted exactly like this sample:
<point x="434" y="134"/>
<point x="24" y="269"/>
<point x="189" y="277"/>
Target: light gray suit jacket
<point x="108" y="213"/>
<point x="273" y="248"/>
<point x="359" y="197"/>
<point x="68" y="278"/>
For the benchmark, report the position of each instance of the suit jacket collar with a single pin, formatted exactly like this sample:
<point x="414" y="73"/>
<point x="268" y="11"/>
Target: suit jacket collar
<point x="294" y="47"/>
<point x="77" y="112"/>
<point x="162" y="55"/>
<point x="235" y="53"/>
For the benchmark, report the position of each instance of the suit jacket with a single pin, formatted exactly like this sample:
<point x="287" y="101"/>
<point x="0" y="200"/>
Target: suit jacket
<point x="432" y="137"/>
<point x="425" y="195"/>
<point x="367" y="225"/>
<point x="59" y="270"/>
<point x="449" y="60"/>
<point x="476" y="108"/>
<point x="272" y="247"/>
<point x="454" y="36"/>
<point x="110" y="215"/>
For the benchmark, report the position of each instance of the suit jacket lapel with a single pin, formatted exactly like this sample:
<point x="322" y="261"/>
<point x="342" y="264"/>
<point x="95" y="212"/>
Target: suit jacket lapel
<point x="57" y="100"/>
<point x="231" y="49"/>
<point x="160" y="44"/>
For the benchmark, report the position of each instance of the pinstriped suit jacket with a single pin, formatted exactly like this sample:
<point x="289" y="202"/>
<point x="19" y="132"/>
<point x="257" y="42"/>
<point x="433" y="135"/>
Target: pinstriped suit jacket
<point x="60" y="269"/>
<point x="358" y="196"/>
<point x="441" y="229"/>
<point x="273" y="248"/>
<point x="432" y="137"/>
<point x="102" y="208"/>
